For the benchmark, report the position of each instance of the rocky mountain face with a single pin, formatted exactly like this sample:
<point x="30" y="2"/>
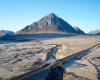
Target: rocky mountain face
<point x="79" y="31"/>
<point x="48" y="24"/>
<point x="96" y="32"/>
<point x="6" y="33"/>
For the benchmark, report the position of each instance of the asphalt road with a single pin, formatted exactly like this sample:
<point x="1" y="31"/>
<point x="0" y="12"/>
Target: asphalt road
<point x="51" y="63"/>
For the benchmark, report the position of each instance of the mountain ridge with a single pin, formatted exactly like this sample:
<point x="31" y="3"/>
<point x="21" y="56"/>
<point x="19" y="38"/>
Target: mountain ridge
<point x="79" y="31"/>
<point x="48" y="24"/>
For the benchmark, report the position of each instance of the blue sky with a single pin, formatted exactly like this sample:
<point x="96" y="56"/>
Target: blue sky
<point x="16" y="14"/>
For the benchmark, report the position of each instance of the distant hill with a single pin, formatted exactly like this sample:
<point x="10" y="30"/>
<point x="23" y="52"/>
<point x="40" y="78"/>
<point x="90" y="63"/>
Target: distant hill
<point x="49" y="24"/>
<point x="95" y="32"/>
<point x="6" y="33"/>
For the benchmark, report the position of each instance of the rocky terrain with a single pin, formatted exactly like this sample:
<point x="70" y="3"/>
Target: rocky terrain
<point x="17" y="58"/>
<point x="20" y="57"/>
<point x="51" y="47"/>
<point x="49" y="24"/>
<point x="79" y="31"/>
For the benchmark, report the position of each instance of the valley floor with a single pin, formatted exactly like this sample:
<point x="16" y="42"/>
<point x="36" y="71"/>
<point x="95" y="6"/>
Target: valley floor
<point x="20" y="57"/>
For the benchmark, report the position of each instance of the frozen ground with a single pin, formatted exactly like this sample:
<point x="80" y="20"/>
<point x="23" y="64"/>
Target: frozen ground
<point x="20" y="57"/>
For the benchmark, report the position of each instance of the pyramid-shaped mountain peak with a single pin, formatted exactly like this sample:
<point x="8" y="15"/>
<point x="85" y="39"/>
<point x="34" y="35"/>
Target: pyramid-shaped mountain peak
<point x="52" y="14"/>
<point x="50" y="23"/>
<point x="49" y="17"/>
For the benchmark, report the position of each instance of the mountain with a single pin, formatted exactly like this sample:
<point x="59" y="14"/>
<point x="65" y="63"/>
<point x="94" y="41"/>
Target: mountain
<point x="48" y="24"/>
<point x="95" y="32"/>
<point x="6" y="33"/>
<point x="79" y="31"/>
